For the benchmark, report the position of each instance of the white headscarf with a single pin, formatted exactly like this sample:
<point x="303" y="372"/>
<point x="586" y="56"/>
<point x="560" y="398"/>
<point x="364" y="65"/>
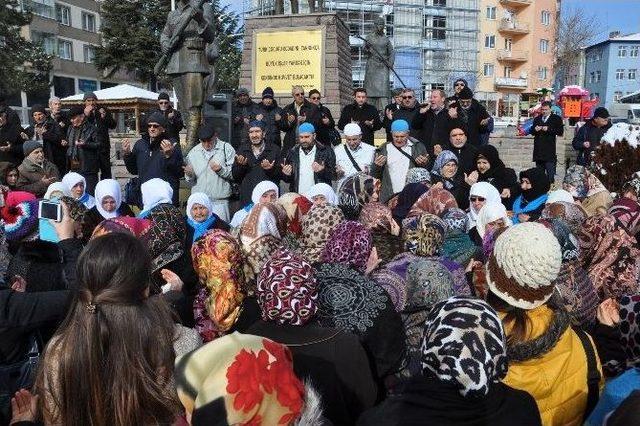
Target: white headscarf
<point x="108" y="188"/>
<point x="71" y="179"/>
<point x="261" y="188"/>
<point x="322" y="189"/>
<point x="155" y="191"/>
<point x="57" y="187"/>
<point x="490" y="212"/>
<point x="199" y="198"/>
<point x="486" y="191"/>
<point x="560" y="195"/>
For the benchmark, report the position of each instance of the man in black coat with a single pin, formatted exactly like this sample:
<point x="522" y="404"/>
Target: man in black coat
<point x="172" y="116"/>
<point x="434" y="122"/>
<point x="406" y="110"/>
<point x="363" y="114"/>
<point x="588" y="137"/>
<point x="11" y="138"/>
<point x="46" y="130"/>
<point x="58" y="152"/>
<point x="83" y="147"/>
<point x="297" y="112"/>
<point x="309" y="162"/>
<point x="102" y="120"/>
<point x="243" y="111"/>
<point x="396" y="96"/>
<point x="459" y="145"/>
<point x="473" y="116"/>
<point x="546" y="127"/>
<point x="270" y="114"/>
<point x="255" y="161"/>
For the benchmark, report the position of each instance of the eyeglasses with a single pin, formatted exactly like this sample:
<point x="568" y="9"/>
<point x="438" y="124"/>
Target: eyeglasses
<point x="298" y="94"/>
<point x="315" y="98"/>
<point x="407" y="97"/>
<point x="474" y="199"/>
<point x="153" y="126"/>
<point x="163" y="102"/>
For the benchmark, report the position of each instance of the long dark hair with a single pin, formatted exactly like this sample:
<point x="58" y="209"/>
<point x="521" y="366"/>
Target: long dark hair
<point x="515" y="320"/>
<point x="111" y="361"/>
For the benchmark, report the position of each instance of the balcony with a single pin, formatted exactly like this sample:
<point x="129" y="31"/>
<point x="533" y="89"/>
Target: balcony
<point x="513" y="55"/>
<point x="510" y="26"/>
<point x="511" y="83"/>
<point x="516" y="3"/>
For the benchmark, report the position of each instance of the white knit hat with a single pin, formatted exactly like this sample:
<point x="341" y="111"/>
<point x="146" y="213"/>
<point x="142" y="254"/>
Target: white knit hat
<point x="352" y="129"/>
<point x="525" y="262"/>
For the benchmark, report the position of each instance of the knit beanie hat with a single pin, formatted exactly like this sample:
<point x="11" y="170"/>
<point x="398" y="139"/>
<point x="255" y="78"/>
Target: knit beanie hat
<point x="158" y="118"/>
<point x="76" y="110"/>
<point x="89" y="95"/>
<point x="29" y="146"/>
<point x="21" y="221"/>
<point x="163" y="96"/>
<point x="524" y="263"/>
<point x="267" y="93"/>
<point x="38" y="108"/>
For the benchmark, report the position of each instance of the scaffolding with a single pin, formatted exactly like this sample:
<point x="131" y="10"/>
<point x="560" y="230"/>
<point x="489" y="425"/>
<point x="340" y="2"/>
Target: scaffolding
<point x="436" y="41"/>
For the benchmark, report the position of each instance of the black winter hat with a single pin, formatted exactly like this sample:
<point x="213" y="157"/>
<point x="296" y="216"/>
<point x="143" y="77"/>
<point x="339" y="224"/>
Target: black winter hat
<point x="163" y="96"/>
<point x="465" y="93"/>
<point x="38" y="108"/>
<point x="89" y="95"/>
<point x="267" y="93"/>
<point x="206" y="132"/>
<point x="601" y="112"/>
<point x="75" y="111"/>
<point x="158" y="118"/>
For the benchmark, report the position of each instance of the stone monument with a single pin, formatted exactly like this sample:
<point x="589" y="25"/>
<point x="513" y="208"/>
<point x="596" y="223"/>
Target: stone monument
<point x="310" y="50"/>
<point x="380" y="58"/>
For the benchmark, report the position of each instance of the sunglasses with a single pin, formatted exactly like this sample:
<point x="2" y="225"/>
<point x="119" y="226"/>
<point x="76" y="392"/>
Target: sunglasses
<point x="407" y="97"/>
<point x="315" y="98"/>
<point x="163" y="102"/>
<point x="474" y="199"/>
<point x="153" y="126"/>
<point x="298" y="94"/>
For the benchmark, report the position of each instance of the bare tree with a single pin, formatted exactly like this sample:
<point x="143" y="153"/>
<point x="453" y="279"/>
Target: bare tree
<point x="576" y="29"/>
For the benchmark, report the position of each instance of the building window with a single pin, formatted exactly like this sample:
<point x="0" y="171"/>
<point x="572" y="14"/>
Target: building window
<point x="63" y="15"/>
<point x="491" y="12"/>
<point x="389" y="24"/>
<point x="89" y="22"/>
<point x="632" y="74"/>
<point x="616" y="96"/>
<point x="507" y="72"/>
<point x="633" y="51"/>
<point x="545" y="17"/>
<point x="65" y="49"/>
<point x="64" y="86"/>
<point x="48" y="41"/>
<point x="437" y="3"/>
<point x="592" y="77"/>
<point x="619" y="74"/>
<point x="490" y="41"/>
<point x="542" y="73"/>
<point x="435" y="27"/>
<point x="544" y="46"/>
<point x="622" y="51"/>
<point x="598" y="76"/>
<point x="87" y="85"/>
<point x="89" y="53"/>
<point x="44" y="8"/>
<point x="488" y="70"/>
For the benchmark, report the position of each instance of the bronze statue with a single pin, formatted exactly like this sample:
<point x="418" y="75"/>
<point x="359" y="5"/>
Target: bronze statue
<point x="189" y="50"/>
<point x="380" y="57"/>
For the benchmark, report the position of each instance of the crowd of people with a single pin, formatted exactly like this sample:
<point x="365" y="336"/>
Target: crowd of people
<point x="418" y="282"/>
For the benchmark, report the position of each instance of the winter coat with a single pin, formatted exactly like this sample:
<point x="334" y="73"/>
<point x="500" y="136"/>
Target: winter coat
<point x="312" y="115"/>
<point x="401" y="113"/>
<point x="147" y="161"/>
<point x="87" y="154"/>
<point x="434" y="128"/>
<point x="382" y="172"/>
<point x="459" y="190"/>
<point x="588" y="133"/>
<point x="333" y="360"/>
<point x="466" y="156"/>
<point x="10" y="135"/>
<point x="544" y="142"/>
<point x="251" y="174"/>
<point x="359" y="114"/>
<point x="470" y="120"/>
<point x="240" y="131"/>
<point x="272" y="126"/>
<point x="323" y="131"/>
<point x="324" y="154"/>
<point x="174" y="124"/>
<point x="102" y="126"/>
<point x="429" y="401"/>
<point x="554" y="374"/>
<point x="31" y="174"/>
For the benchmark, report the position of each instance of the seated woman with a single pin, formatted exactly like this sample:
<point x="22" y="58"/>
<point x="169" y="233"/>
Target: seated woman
<point x="480" y="194"/>
<point x="534" y="185"/>
<point x="445" y="172"/>
<point x="587" y="190"/>
<point x="77" y="184"/>
<point x="356" y="191"/>
<point x="10" y="177"/>
<point x="406" y="199"/>
<point x="264" y="192"/>
<point x="463" y="365"/>
<point x="35" y="172"/>
<point x="549" y="359"/>
<point x="201" y="218"/>
<point x="113" y="307"/>
<point x="56" y="191"/>
<point x="490" y="168"/>
<point x="108" y="205"/>
<point x="322" y="193"/>
<point x="385" y="231"/>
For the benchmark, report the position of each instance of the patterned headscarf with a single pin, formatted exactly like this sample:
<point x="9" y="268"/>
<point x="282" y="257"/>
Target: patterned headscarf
<point x="629" y="327"/>
<point x="296" y="207"/>
<point x="317" y="226"/>
<point x="459" y="247"/>
<point x="239" y="379"/>
<point x="424" y="235"/>
<point x="263" y="219"/>
<point x="435" y="201"/>
<point x="465" y="344"/>
<point x="581" y="183"/>
<point x="633" y="185"/>
<point x="406" y="199"/>
<point x="418" y="175"/>
<point x="627" y="212"/>
<point x="376" y="217"/>
<point x="287" y="291"/>
<point x="217" y="259"/>
<point x="393" y="284"/>
<point x="455" y="219"/>
<point x="610" y="257"/>
<point x="166" y="236"/>
<point x="137" y="227"/>
<point x="441" y="160"/>
<point x="350" y="243"/>
<point x="356" y="191"/>
<point x="572" y="213"/>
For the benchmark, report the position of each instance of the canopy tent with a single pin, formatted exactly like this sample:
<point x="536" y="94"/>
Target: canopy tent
<point x="122" y="98"/>
<point x="573" y="90"/>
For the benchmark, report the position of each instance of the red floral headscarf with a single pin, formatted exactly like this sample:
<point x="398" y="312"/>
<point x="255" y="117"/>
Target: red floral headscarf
<point x="240" y="379"/>
<point x="350" y="243"/>
<point x="435" y="201"/>
<point x="217" y="260"/>
<point x="287" y="289"/>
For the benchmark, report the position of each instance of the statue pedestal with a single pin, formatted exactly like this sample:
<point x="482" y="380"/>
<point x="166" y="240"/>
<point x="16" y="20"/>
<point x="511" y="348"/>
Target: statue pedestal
<point x="308" y="50"/>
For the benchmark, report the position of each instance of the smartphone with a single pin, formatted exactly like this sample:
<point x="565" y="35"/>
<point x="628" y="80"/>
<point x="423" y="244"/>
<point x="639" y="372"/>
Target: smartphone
<point x="50" y="210"/>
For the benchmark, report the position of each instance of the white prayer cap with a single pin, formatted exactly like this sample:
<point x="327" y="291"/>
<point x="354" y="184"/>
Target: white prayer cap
<point x="352" y="129"/>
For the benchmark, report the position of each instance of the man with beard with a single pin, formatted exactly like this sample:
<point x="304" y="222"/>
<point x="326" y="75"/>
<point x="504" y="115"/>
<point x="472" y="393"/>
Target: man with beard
<point x="297" y="112"/>
<point x="255" y="162"/>
<point x="155" y="155"/>
<point x="471" y="115"/>
<point x="465" y="152"/>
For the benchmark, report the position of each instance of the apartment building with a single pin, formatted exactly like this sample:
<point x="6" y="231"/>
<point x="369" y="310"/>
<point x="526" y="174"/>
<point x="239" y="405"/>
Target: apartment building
<point x="69" y="30"/>
<point x="516" y="53"/>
